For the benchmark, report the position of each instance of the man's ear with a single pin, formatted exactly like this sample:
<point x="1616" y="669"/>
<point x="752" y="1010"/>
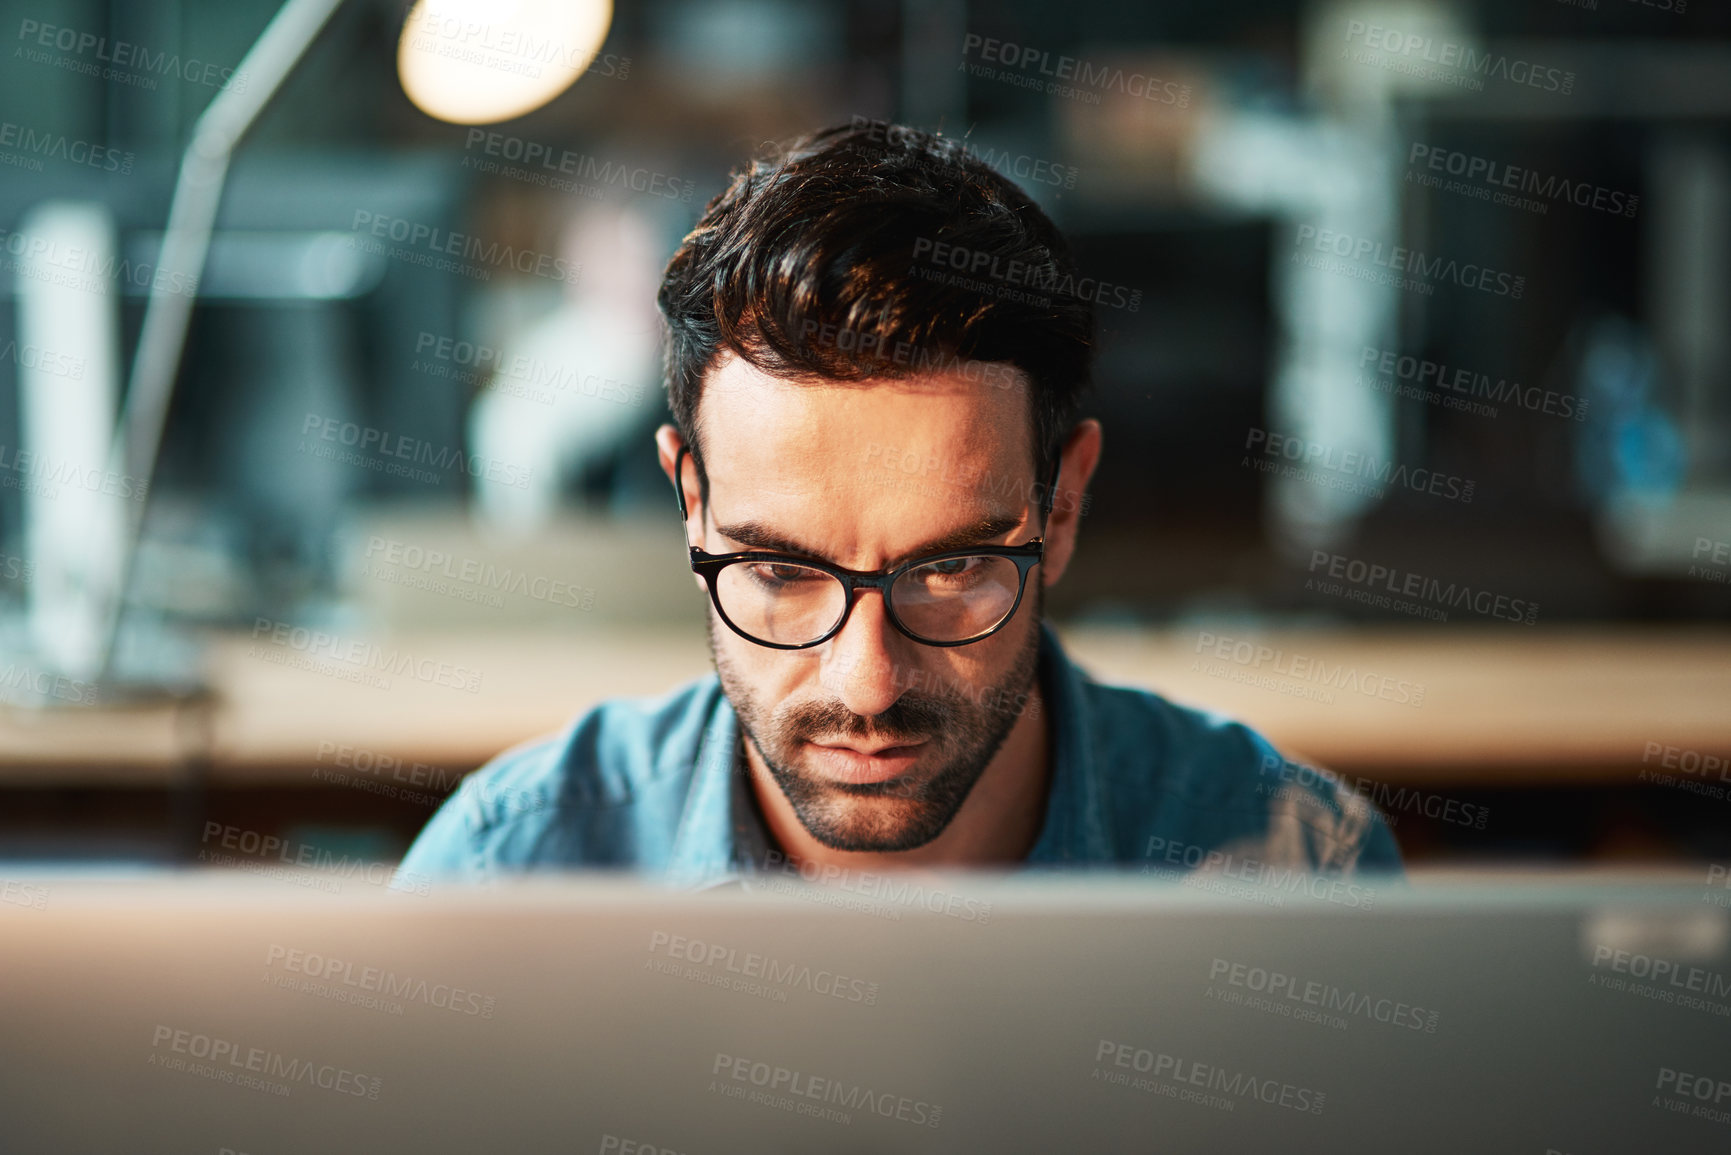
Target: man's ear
<point x="667" y="446"/>
<point x="1081" y="455"/>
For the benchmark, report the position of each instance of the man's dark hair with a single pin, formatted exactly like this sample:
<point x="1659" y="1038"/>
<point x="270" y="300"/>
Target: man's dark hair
<point x="876" y="250"/>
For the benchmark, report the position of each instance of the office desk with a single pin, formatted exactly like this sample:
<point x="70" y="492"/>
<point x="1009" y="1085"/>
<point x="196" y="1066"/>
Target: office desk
<point x="1518" y="706"/>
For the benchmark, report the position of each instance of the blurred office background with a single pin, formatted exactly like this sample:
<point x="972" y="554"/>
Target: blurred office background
<point x="448" y="457"/>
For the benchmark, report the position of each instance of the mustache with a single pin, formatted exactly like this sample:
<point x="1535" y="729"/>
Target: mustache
<point x="908" y="719"/>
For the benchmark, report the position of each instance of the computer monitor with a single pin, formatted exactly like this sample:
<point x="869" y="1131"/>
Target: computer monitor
<point x="904" y="1013"/>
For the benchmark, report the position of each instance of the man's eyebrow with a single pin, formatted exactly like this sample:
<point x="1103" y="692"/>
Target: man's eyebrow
<point x="756" y="535"/>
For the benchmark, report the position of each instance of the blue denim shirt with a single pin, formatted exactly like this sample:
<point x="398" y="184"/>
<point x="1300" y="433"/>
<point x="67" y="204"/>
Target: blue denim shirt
<point x="658" y="786"/>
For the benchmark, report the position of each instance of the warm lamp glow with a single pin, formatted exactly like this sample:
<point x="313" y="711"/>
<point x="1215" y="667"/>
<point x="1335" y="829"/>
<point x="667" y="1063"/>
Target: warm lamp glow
<point x="481" y="61"/>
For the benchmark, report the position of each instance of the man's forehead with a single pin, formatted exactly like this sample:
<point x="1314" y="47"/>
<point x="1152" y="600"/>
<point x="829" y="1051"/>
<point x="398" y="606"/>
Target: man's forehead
<point x="863" y="470"/>
<point x="958" y="412"/>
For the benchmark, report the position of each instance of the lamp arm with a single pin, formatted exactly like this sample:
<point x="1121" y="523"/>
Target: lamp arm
<point x="185" y="243"/>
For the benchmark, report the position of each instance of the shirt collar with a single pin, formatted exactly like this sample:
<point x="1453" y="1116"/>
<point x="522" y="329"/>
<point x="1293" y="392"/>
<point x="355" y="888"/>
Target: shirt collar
<point x="722" y="839"/>
<point x="1075" y="828"/>
<point x="720" y="816"/>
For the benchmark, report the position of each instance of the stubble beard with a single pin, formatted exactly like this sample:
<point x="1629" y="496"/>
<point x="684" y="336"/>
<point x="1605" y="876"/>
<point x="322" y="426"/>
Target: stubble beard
<point x="907" y="812"/>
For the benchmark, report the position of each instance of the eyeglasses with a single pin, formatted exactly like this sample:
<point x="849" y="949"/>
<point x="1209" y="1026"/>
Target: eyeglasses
<point x="788" y="602"/>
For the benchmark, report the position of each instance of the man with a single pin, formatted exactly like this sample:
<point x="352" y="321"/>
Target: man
<point x="876" y="352"/>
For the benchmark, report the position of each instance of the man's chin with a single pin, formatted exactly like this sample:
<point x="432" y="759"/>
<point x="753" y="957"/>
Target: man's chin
<point x="870" y="826"/>
<point x="894" y="814"/>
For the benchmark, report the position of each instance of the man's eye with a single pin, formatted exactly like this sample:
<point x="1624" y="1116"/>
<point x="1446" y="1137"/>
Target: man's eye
<point x="771" y="574"/>
<point x="950" y="574"/>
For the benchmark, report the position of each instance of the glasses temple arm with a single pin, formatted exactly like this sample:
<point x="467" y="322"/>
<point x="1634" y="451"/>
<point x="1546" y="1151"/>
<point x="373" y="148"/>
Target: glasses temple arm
<point x="678" y="488"/>
<point x="1051" y="488"/>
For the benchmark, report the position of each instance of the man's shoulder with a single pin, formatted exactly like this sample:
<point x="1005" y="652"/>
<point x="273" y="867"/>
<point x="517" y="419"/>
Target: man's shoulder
<point x="606" y="790"/>
<point x="1190" y="781"/>
<point x="607" y="756"/>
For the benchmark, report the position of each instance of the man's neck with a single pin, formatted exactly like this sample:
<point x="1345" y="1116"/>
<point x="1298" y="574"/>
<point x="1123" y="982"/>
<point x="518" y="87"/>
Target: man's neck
<point x="996" y="826"/>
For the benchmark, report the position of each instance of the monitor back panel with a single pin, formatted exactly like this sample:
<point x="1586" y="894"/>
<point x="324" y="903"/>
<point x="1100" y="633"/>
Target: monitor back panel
<point x="591" y="1016"/>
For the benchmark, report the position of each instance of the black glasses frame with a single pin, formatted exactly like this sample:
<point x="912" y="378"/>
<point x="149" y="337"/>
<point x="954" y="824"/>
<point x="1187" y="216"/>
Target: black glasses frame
<point x="708" y="566"/>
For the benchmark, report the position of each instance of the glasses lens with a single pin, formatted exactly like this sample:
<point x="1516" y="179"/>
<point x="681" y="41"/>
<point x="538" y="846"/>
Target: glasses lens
<point x="780" y="603"/>
<point x="956" y="599"/>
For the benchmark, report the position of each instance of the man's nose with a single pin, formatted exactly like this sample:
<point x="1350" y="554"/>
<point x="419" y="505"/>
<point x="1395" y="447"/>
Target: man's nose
<point x="861" y="667"/>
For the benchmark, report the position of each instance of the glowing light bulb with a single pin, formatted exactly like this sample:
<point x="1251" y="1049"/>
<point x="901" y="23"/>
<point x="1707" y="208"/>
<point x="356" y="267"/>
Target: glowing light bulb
<point x="482" y="61"/>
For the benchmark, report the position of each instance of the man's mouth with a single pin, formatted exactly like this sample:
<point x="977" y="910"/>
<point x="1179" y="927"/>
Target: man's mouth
<point x="861" y="763"/>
